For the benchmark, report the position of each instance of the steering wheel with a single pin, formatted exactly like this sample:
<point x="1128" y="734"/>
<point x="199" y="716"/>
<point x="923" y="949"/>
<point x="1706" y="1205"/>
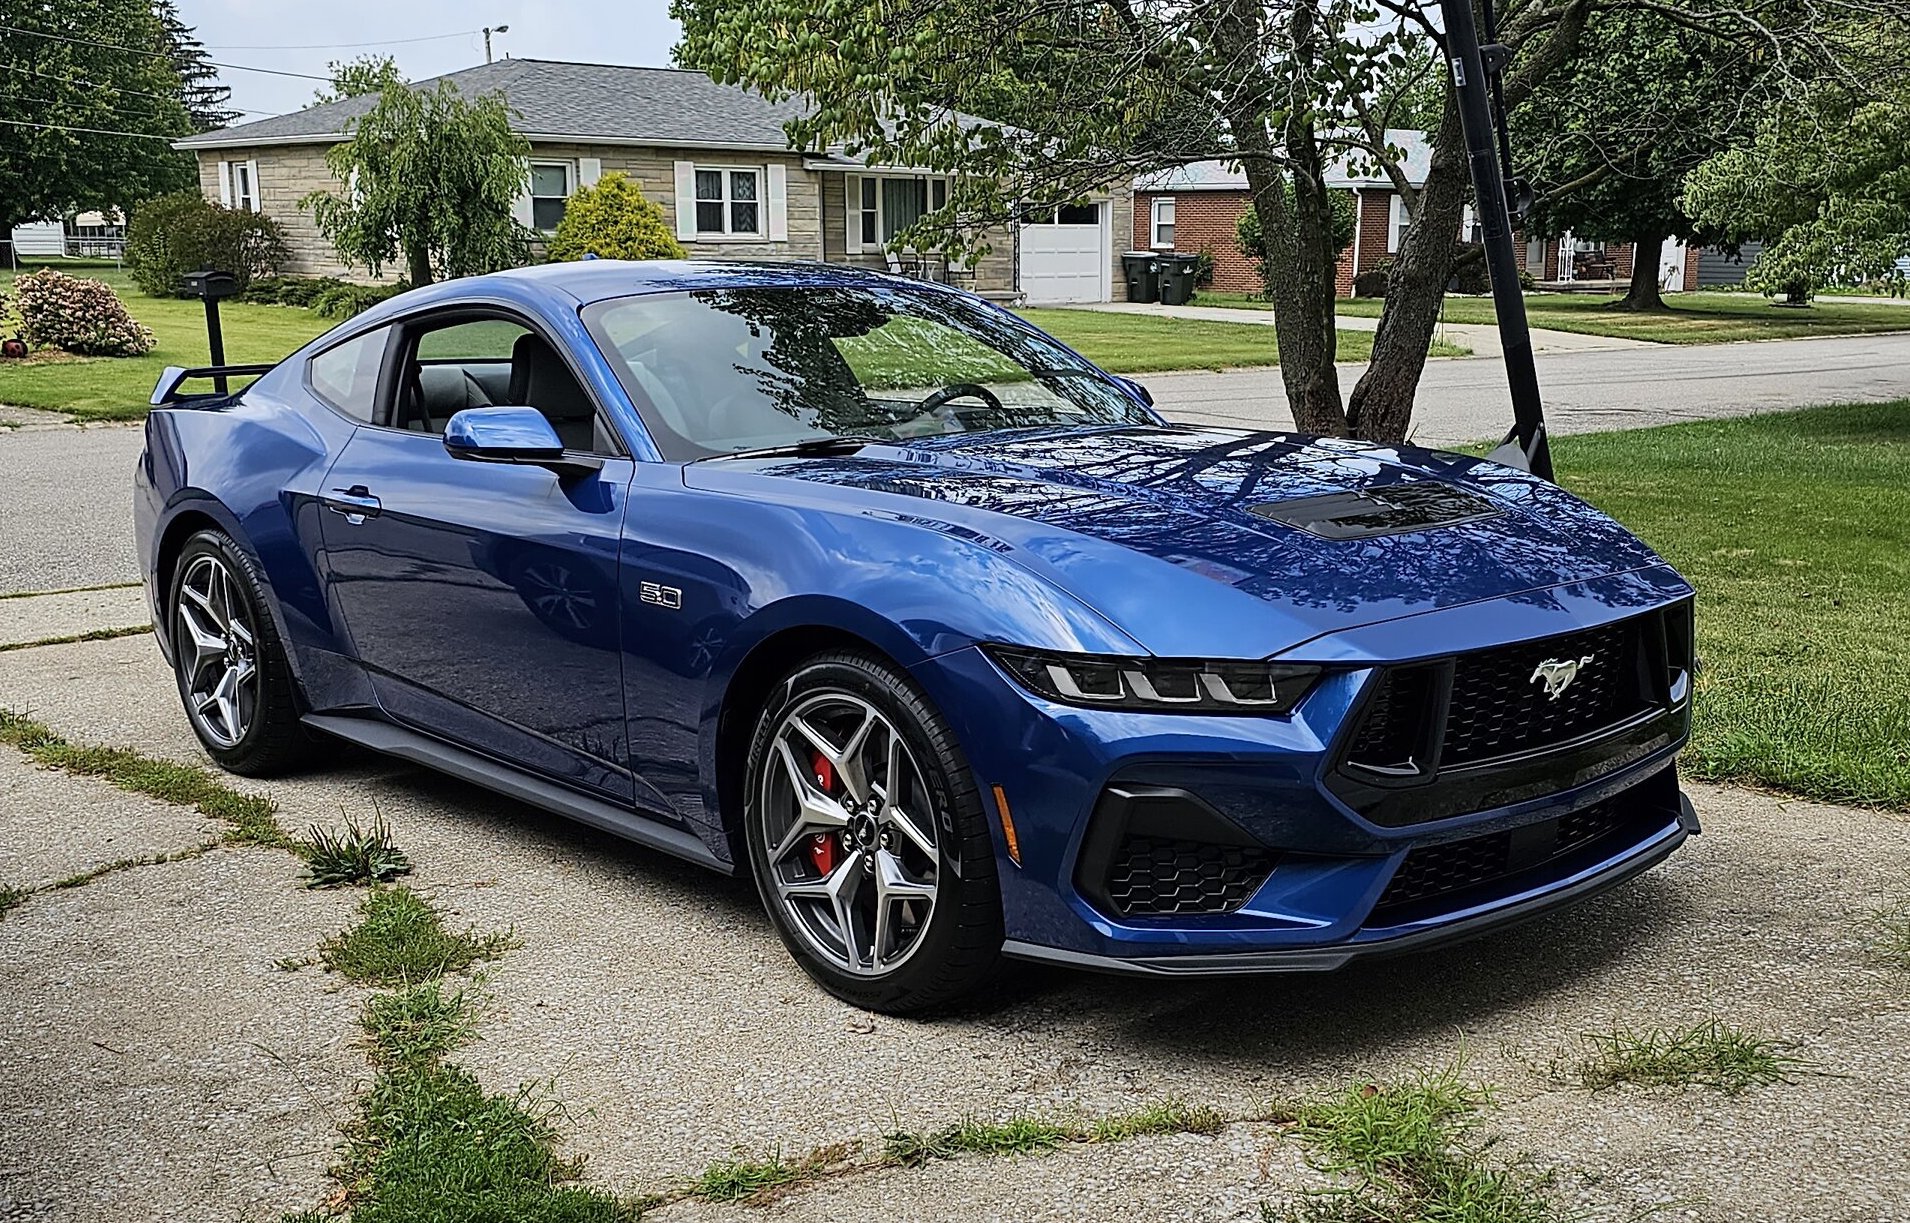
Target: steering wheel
<point x="959" y="390"/>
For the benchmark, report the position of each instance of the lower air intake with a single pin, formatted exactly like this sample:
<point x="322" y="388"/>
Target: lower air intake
<point x="1155" y="876"/>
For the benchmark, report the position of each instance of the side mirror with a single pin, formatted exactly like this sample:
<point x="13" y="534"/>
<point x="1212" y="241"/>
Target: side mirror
<point x="1135" y="389"/>
<point x="511" y="435"/>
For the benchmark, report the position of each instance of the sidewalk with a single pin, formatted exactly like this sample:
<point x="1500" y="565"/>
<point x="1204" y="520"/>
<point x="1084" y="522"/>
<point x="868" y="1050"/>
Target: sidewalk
<point x="1481" y="339"/>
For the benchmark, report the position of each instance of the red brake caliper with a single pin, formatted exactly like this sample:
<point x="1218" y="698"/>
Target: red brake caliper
<point x="823" y="846"/>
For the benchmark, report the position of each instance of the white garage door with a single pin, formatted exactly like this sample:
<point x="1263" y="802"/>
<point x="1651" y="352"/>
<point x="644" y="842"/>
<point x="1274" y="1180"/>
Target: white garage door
<point x="1066" y="259"/>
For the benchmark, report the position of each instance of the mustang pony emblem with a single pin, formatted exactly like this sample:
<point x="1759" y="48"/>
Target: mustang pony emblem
<point x="1558" y="674"/>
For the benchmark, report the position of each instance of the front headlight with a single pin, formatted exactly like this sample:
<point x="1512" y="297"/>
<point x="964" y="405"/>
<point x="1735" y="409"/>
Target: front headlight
<point x="1158" y="685"/>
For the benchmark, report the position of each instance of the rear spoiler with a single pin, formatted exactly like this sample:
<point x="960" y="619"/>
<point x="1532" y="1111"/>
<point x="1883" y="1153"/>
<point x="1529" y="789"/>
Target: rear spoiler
<point x="166" y="391"/>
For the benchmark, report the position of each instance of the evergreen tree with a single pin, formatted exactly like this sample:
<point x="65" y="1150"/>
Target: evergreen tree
<point x="199" y="89"/>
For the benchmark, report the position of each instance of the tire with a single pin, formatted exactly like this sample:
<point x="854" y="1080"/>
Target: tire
<point x="234" y="681"/>
<point x="874" y="861"/>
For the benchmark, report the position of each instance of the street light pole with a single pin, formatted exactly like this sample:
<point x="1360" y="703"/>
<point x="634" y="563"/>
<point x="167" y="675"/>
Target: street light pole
<point x="1470" y="63"/>
<point x="488" y="31"/>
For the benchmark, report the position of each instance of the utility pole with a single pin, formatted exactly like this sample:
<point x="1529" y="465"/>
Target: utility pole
<point x="1475" y="71"/>
<point x="488" y="31"/>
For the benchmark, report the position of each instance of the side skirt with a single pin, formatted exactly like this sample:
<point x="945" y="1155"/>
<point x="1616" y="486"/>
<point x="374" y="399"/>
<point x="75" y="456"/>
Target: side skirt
<point x="391" y="740"/>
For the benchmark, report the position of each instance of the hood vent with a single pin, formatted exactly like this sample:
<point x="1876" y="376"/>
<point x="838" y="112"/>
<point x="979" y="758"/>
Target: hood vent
<point x="1387" y="509"/>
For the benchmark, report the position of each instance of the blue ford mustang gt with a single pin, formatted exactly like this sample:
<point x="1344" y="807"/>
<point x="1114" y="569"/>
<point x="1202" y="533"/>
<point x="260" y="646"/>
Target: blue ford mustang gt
<point x="875" y="592"/>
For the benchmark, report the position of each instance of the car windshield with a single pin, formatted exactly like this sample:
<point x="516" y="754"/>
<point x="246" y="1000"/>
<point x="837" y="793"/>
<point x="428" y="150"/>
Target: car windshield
<point x="720" y="371"/>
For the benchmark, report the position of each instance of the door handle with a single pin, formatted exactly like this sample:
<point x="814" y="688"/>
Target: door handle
<point x="355" y="503"/>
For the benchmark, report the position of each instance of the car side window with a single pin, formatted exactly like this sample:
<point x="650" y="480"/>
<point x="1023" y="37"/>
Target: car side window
<point x="487" y="362"/>
<point x="346" y="375"/>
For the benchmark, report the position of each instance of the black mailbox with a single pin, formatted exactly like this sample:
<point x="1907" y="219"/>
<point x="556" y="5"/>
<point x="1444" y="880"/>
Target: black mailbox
<point x="210" y="285"/>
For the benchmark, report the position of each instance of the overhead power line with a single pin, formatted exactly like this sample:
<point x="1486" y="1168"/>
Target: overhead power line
<point x="143" y="93"/>
<point x="115" y="46"/>
<point x="339" y="46"/>
<point x="91" y="131"/>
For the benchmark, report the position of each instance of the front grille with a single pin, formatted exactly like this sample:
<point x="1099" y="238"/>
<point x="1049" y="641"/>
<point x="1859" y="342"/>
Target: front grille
<point x="1393" y="729"/>
<point x="1152" y="876"/>
<point x="1500" y="705"/>
<point x="1444" y="872"/>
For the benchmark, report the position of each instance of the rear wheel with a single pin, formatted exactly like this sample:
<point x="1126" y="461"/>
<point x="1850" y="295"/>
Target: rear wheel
<point x="233" y="676"/>
<point x="867" y="838"/>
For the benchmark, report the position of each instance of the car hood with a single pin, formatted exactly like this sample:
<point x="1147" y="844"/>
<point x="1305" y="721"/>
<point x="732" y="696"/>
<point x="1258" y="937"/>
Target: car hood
<point x="1201" y="540"/>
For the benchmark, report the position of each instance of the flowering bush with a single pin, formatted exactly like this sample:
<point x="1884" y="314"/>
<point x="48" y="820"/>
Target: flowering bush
<point x="80" y="316"/>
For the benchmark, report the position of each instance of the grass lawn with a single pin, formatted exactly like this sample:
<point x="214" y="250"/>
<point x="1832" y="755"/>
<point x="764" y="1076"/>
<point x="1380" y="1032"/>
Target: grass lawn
<point x="1140" y="343"/>
<point x="1795" y="529"/>
<point x="1694" y="318"/>
<point x="116" y="388"/>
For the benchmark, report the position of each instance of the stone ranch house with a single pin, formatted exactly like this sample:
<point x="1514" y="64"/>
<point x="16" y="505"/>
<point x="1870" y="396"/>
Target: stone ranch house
<point x="714" y="156"/>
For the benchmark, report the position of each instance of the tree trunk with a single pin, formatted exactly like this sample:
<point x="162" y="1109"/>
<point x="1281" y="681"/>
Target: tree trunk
<point x="418" y="266"/>
<point x="1381" y="408"/>
<point x="1298" y="233"/>
<point x="1643" y="294"/>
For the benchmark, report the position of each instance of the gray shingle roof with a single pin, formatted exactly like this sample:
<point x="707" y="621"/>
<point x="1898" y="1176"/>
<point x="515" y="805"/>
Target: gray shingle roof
<point x="665" y="106"/>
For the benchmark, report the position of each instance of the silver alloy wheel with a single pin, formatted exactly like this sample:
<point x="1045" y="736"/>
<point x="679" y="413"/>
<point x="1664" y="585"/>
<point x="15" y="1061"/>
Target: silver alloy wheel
<point x="849" y="833"/>
<point x="218" y="653"/>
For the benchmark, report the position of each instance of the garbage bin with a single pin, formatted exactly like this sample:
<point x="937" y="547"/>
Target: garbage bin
<point x="1143" y="276"/>
<point x="1177" y="279"/>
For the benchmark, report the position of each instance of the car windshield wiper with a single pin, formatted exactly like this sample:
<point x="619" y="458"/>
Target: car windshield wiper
<point x="809" y="447"/>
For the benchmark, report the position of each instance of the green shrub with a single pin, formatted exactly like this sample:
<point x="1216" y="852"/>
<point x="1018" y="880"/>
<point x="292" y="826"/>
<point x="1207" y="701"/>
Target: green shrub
<point x="175" y="234"/>
<point x="1252" y="245"/>
<point x="612" y="220"/>
<point x="1472" y="277"/>
<point x="84" y="317"/>
<point x="1204" y="269"/>
<point x="342" y="299"/>
<point x="1372" y="282"/>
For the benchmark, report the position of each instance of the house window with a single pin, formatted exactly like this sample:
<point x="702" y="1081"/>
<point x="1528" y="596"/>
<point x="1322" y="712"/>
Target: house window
<point x="729" y="202"/>
<point x="245" y="185"/>
<point x="883" y="206"/>
<point x="1400" y="221"/>
<point x="1078" y="214"/>
<point x="1163" y="224"/>
<point x="550" y="192"/>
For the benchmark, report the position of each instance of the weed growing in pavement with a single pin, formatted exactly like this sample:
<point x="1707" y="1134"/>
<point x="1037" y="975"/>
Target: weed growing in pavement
<point x="250" y="819"/>
<point x="1167" y="1117"/>
<point x="1411" y="1150"/>
<point x="98" y="634"/>
<point x="1892" y="924"/>
<point x="401" y="938"/>
<point x="416" y="1026"/>
<point x="11" y="898"/>
<point x="732" y="1180"/>
<point x="357" y="855"/>
<point x="1709" y="1054"/>
<point x="1015" y="1136"/>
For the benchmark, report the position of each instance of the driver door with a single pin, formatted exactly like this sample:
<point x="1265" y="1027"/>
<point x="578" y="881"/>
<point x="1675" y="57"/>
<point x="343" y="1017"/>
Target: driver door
<point x="482" y="598"/>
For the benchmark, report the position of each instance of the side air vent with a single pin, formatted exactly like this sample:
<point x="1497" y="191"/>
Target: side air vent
<point x="1386" y="509"/>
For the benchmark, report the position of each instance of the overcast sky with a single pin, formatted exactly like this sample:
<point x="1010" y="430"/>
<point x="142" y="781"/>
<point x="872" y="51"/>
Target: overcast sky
<point x="302" y="37"/>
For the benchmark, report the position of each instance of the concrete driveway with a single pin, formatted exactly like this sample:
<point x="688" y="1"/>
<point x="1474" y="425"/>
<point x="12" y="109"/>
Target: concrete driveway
<point x="155" y="1063"/>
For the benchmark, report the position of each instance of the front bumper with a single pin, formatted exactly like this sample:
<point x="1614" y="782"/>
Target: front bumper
<point x="1607" y="875"/>
<point x="1337" y="870"/>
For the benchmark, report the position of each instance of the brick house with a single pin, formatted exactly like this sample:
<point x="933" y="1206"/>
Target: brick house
<point x="1196" y="208"/>
<point x="715" y="158"/>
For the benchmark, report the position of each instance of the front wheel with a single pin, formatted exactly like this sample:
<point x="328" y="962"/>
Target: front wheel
<point x="233" y="676"/>
<point x="867" y="839"/>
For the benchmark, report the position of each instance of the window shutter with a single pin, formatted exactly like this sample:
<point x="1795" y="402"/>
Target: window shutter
<point x="225" y="183"/>
<point x="257" y="202"/>
<point x="686" y="201"/>
<point x="589" y="170"/>
<point x="521" y="206"/>
<point x="852" y="212"/>
<point x="776" y="187"/>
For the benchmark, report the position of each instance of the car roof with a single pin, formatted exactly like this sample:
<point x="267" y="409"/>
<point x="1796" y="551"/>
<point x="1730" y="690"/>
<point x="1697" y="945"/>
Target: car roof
<point x="591" y="280"/>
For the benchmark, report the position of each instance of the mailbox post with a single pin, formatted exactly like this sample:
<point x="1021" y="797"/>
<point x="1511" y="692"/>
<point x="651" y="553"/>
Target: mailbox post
<point x="212" y="287"/>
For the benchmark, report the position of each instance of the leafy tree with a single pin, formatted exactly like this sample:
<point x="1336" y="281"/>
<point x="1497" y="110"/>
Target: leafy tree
<point x="1826" y="182"/>
<point x="125" y="90"/>
<point x="199" y="89"/>
<point x="352" y="77"/>
<point x="433" y="178"/>
<point x="1079" y="93"/>
<point x="1253" y="243"/>
<point x="1609" y="141"/>
<point x="612" y="219"/>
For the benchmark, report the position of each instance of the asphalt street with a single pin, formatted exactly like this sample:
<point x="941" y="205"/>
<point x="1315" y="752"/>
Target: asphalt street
<point x="67" y="510"/>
